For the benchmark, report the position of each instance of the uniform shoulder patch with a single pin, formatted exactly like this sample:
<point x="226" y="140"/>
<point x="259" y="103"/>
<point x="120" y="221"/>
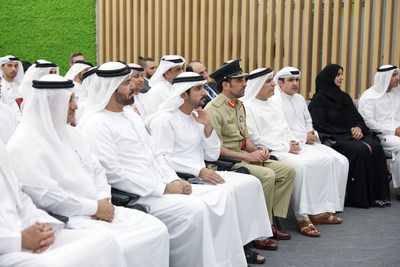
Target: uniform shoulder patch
<point x="217" y="102"/>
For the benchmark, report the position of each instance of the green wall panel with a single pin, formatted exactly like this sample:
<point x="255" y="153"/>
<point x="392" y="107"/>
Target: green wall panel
<point x="51" y="30"/>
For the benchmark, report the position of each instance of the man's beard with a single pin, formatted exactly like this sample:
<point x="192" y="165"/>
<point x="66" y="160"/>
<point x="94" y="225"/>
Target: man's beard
<point x="13" y="75"/>
<point x="199" y="103"/>
<point x="126" y="101"/>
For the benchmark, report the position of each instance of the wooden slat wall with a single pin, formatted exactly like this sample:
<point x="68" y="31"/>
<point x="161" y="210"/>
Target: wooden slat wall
<point x="345" y="44"/>
<point x="359" y="35"/>
<point x="377" y="34"/>
<point x="288" y="14"/>
<point x="261" y="29"/>
<point x="366" y="59"/>
<point x="316" y="44"/>
<point x="270" y="41"/>
<point x="397" y="50"/>
<point x="336" y="30"/>
<point x="355" y="52"/>
<point x="306" y="62"/>
<point x="326" y="36"/>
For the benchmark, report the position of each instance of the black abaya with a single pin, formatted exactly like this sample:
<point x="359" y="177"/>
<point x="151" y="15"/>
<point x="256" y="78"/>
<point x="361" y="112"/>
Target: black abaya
<point x="334" y="114"/>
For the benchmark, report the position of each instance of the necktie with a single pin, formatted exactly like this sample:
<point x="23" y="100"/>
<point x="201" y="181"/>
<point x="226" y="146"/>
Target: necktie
<point x="210" y="92"/>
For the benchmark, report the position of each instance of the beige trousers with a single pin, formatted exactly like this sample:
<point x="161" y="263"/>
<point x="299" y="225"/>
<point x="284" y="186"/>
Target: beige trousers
<point x="277" y="179"/>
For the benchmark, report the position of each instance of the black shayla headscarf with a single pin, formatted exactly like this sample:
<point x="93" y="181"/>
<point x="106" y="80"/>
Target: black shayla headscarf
<point x="343" y="115"/>
<point x="325" y="85"/>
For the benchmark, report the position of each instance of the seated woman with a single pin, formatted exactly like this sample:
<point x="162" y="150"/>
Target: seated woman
<point x="338" y="122"/>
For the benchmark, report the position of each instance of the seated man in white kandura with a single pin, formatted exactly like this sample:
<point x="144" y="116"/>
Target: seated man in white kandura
<point x="29" y="237"/>
<point x="380" y="108"/>
<point x="183" y="134"/>
<point x="200" y="219"/>
<point x="320" y="174"/>
<point x="66" y="179"/>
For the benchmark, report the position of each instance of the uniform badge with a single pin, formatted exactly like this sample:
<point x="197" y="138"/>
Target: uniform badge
<point x="230" y="120"/>
<point x="231" y="103"/>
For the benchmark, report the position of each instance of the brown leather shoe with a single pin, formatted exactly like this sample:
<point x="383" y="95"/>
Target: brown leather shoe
<point x="280" y="234"/>
<point x="266" y="244"/>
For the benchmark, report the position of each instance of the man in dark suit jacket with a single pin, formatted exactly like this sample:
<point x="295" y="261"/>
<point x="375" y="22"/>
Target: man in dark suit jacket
<point x="150" y="66"/>
<point x="211" y="87"/>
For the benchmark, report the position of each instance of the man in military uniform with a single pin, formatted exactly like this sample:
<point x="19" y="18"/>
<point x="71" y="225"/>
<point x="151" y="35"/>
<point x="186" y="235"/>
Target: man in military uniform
<point x="228" y="118"/>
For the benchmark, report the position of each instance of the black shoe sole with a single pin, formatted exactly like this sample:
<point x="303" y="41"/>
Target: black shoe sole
<point x="281" y="238"/>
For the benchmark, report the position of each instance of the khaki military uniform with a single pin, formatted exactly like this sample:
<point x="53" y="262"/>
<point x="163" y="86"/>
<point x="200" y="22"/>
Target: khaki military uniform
<point x="229" y="121"/>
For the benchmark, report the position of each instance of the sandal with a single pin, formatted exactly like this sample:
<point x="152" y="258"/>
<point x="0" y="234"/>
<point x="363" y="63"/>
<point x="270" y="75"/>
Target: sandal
<point x="306" y="228"/>
<point x="252" y="256"/>
<point x="326" y="218"/>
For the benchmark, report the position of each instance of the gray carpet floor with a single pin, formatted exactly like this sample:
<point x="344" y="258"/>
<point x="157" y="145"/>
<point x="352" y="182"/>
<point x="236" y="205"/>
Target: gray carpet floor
<point x="367" y="237"/>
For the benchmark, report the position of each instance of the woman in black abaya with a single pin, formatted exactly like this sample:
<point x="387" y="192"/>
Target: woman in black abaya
<point x="338" y="122"/>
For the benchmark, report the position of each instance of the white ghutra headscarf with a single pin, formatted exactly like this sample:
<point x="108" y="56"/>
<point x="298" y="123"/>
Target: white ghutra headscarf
<point x="166" y="63"/>
<point x="255" y="81"/>
<point x="382" y="80"/>
<point x="42" y="148"/>
<point x="180" y="84"/>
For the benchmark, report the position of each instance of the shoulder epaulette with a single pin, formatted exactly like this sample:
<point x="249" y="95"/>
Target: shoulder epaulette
<point x="217" y="102"/>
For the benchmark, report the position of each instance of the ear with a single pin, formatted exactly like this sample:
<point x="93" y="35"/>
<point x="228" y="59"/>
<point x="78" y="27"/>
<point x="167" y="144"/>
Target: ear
<point x="280" y="83"/>
<point x="166" y="74"/>
<point x="185" y="95"/>
<point x="225" y="84"/>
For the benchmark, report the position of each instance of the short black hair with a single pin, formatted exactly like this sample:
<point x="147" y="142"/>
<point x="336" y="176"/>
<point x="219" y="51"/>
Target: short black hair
<point x="219" y="85"/>
<point x="26" y="65"/>
<point x="75" y="54"/>
<point x="143" y="60"/>
<point x="189" y="68"/>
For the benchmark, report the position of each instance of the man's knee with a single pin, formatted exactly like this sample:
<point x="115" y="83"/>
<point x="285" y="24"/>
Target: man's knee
<point x="265" y="175"/>
<point x="291" y="173"/>
<point x="195" y="207"/>
<point x="282" y="169"/>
